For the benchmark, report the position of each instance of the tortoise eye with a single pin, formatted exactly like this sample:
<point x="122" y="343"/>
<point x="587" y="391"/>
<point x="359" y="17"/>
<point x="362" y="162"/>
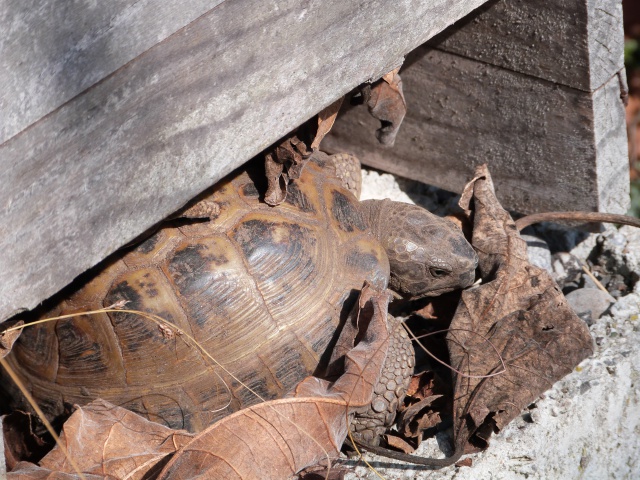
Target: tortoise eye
<point x="438" y="272"/>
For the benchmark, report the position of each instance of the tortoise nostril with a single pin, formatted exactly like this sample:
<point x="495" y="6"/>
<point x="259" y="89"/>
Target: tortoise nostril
<point x="468" y="278"/>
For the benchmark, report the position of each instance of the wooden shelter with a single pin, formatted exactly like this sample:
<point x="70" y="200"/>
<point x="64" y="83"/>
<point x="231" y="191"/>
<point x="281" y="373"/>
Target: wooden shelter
<point x="114" y="114"/>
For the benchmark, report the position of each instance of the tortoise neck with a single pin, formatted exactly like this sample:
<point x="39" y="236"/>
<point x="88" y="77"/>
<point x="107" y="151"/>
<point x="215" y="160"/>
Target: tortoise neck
<point x="372" y="210"/>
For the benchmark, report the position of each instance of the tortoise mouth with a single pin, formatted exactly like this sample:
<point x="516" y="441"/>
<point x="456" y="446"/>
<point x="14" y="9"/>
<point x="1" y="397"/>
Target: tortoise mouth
<point x="439" y="291"/>
<point x="432" y="293"/>
<point x="463" y="282"/>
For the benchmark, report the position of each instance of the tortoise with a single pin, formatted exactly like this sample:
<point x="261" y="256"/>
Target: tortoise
<point x="263" y="289"/>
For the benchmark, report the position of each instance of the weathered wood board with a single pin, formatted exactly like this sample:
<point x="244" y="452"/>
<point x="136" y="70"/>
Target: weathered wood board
<point x="549" y="147"/>
<point x="51" y="51"/>
<point x="136" y="145"/>
<point x="578" y="43"/>
<point x="530" y="87"/>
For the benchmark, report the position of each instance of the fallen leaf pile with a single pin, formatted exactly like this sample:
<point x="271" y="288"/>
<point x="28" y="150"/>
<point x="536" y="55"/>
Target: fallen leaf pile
<point x="420" y="412"/>
<point x="285" y="161"/>
<point x="107" y="441"/>
<point x="511" y="337"/>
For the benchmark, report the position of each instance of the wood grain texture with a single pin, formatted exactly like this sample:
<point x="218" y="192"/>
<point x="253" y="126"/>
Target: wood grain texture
<point x="51" y="51"/>
<point x="3" y="462"/>
<point x="578" y="43"/>
<point x="136" y="146"/>
<point x="549" y="147"/>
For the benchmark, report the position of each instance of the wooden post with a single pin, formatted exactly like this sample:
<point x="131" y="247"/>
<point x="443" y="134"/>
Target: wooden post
<point x="530" y="87"/>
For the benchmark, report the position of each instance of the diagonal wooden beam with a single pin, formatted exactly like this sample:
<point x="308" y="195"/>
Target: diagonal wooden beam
<point x="103" y="167"/>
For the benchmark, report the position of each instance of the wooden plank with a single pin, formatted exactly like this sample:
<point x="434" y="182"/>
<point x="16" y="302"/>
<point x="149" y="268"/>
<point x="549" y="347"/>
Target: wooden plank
<point x="549" y="147"/>
<point x="135" y="147"/>
<point x="51" y="51"/>
<point x="3" y="462"/>
<point x="578" y="43"/>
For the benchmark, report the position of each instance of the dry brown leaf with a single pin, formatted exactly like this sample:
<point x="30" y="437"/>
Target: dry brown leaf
<point x="326" y="119"/>
<point x="285" y="162"/>
<point x="352" y="331"/>
<point x="399" y="444"/>
<point x="416" y="408"/>
<point x="427" y="421"/>
<point x="8" y="339"/>
<point x="521" y="312"/>
<point x="276" y="181"/>
<point x="30" y="471"/>
<point x="467" y="462"/>
<point x="418" y="413"/>
<point x="419" y="417"/>
<point x="427" y="312"/>
<point x="512" y="337"/>
<point x="280" y="438"/>
<point x="107" y="441"/>
<point x="386" y="103"/>
<point x="421" y="385"/>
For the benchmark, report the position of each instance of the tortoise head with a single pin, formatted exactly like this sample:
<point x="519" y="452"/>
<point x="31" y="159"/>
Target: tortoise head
<point x="428" y="255"/>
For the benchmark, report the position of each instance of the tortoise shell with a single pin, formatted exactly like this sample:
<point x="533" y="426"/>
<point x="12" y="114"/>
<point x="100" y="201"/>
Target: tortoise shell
<point x="262" y="289"/>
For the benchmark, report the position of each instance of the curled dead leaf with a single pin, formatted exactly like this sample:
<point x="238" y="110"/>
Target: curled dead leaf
<point x="386" y="102"/>
<point x="282" y="164"/>
<point x="276" y="181"/>
<point x="399" y="444"/>
<point x="511" y="338"/>
<point x="107" y="441"/>
<point x="326" y="119"/>
<point x="7" y="339"/>
<point x="521" y="312"/>
<point x="421" y="385"/>
<point x="418" y="412"/>
<point x="286" y="161"/>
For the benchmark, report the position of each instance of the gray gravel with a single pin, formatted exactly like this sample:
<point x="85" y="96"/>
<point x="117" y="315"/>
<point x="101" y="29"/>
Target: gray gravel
<point x="538" y="252"/>
<point x="590" y="303"/>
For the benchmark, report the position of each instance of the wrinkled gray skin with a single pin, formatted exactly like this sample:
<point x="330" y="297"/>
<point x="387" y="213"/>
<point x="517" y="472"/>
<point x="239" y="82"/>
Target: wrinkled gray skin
<point x="428" y="255"/>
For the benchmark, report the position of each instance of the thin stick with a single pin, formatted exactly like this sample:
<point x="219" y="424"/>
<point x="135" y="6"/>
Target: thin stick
<point x="355" y="444"/>
<point x="523" y="222"/>
<point x="426" y="350"/>
<point x="595" y="280"/>
<point x="405" y="457"/>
